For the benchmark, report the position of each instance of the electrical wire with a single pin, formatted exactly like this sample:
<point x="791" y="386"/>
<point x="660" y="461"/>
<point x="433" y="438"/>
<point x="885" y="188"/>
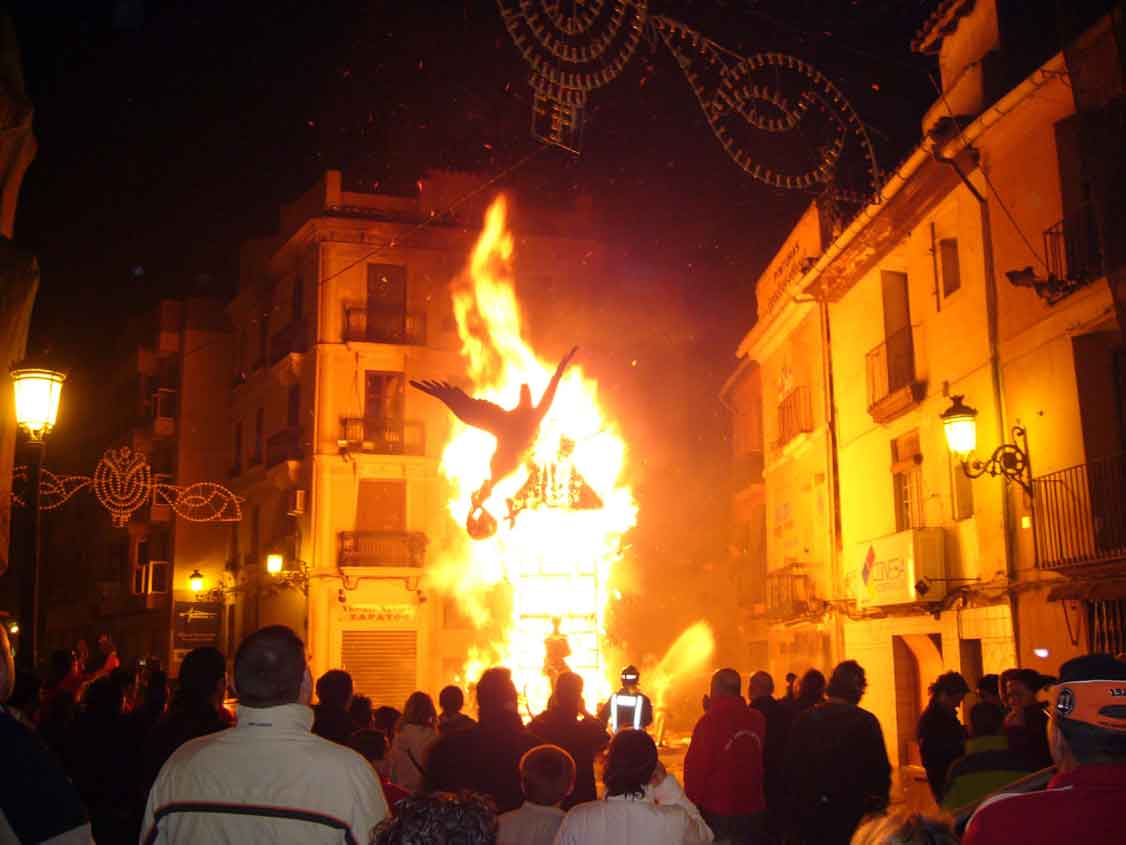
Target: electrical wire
<point x="988" y="181"/>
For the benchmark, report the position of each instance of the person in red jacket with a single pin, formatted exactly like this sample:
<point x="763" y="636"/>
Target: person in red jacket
<point x="1087" y="737"/>
<point x="723" y="770"/>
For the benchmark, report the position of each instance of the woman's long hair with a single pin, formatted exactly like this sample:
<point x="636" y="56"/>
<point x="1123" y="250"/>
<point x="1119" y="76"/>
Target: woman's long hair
<point x="419" y="710"/>
<point x="629" y="763"/>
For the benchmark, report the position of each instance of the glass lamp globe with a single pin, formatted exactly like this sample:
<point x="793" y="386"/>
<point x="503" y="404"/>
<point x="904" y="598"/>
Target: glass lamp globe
<point x="960" y="424"/>
<point x="274" y="563"/>
<point x="37" y="393"/>
<point x="195" y="581"/>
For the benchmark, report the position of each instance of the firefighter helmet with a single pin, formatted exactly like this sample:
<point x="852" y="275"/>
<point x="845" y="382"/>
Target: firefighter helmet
<point x="630" y="675"/>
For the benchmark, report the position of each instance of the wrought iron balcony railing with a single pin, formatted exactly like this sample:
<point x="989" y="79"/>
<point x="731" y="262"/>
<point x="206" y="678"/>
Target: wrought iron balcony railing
<point x="284" y="445"/>
<point x="894" y="382"/>
<point x="795" y="415"/>
<point x="1071" y="247"/>
<point x="382" y="436"/>
<point x="390" y="326"/>
<point x="1080" y="514"/>
<point x="382" y="548"/>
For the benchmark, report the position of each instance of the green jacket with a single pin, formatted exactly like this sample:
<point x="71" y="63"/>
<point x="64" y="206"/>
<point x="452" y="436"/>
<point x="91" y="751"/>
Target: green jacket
<point x="987" y="766"/>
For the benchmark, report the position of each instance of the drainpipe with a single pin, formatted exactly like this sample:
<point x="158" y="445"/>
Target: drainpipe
<point x="995" y="374"/>
<point x="833" y="480"/>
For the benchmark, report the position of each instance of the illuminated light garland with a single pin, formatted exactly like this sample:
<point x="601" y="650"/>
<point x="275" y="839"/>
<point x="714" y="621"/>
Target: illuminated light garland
<point x="571" y="53"/>
<point x="123" y="483"/>
<point x="575" y="47"/>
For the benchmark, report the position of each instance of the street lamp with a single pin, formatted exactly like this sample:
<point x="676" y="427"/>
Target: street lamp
<point x="274" y="563"/>
<point x="1008" y="460"/>
<point x="195" y="581"/>
<point x="37" y="399"/>
<point x="37" y="391"/>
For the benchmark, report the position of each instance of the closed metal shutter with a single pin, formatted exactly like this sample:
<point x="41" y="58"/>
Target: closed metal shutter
<point x="382" y="664"/>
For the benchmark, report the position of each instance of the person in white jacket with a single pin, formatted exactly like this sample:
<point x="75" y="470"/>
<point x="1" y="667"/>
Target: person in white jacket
<point x="269" y="779"/>
<point x="644" y="804"/>
<point x="414" y="735"/>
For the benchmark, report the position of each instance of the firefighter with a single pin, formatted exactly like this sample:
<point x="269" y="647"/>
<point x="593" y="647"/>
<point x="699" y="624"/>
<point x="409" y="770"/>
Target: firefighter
<point x="629" y="707"/>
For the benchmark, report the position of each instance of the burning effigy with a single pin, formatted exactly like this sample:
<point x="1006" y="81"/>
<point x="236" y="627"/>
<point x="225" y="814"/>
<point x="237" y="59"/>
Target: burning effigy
<point x="559" y="487"/>
<point x="537" y="582"/>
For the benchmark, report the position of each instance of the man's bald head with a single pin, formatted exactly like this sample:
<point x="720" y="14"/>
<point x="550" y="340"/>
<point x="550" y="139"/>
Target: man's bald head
<point x="726" y="682"/>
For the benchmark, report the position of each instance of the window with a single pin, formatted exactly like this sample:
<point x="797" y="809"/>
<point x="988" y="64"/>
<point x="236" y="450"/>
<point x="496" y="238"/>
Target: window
<point x="240" y="356"/>
<point x="387" y="303"/>
<point x="236" y="467"/>
<point x="298" y="302"/>
<point x="263" y="338"/>
<point x="907" y="481"/>
<point x="140" y="581"/>
<point x="259" y="422"/>
<point x="1107" y="625"/>
<point x="948" y="257"/>
<point x="293" y="408"/>
<point x="961" y="491"/>
<point x="255" y="532"/>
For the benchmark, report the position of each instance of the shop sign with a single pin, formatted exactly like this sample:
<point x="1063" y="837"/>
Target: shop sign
<point x="380" y="613"/>
<point x="195" y="624"/>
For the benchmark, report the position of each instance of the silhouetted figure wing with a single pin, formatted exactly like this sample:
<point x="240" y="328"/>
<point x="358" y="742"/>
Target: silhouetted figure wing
<point x="549" y="394"/>
<point x="479" y="413"/>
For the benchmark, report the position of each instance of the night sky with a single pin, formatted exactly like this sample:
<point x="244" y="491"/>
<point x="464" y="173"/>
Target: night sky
<point x="169" y="132"/>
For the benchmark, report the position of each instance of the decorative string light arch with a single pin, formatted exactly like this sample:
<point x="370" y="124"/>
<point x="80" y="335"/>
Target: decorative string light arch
<point x="123" y="483"/>
<point x="577" y="46"/>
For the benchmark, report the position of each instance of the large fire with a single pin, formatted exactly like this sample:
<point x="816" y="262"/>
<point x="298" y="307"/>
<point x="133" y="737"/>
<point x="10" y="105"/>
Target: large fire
<point x="556" y="560"/>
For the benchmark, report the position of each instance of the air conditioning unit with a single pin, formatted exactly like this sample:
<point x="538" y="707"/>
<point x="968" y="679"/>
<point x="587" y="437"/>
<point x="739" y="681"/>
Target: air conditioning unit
<point x="887" y="570"/>
<point x="296" y="502"/>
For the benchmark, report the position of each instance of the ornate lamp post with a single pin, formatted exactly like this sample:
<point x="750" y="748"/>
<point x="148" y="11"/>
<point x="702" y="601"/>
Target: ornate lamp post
<point x="1008" y="460"/>
<point x="37" y="393"/>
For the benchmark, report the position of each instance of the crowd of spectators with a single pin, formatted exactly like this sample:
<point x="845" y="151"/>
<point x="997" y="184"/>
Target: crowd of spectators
<point x="103" y="753"/>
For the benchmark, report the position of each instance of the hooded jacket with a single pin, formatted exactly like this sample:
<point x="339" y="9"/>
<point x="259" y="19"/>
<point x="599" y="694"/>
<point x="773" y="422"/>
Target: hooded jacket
<point x="723" y="770"/>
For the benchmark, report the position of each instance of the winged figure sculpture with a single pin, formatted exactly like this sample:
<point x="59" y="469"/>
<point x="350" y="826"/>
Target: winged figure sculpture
<point x="515" y="430"/>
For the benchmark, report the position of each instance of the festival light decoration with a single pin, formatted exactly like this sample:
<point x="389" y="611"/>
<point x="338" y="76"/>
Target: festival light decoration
<point x="123" y="483"/>
<point x="574" y="48"/>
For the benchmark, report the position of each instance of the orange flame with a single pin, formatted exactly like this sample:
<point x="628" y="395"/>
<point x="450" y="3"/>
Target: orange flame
<point x="554" y="561"/>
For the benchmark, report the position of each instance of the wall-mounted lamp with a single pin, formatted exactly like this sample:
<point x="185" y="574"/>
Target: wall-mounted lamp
<point x="1008" y="460"/>
<point x="288" y="573"/>
<point x="195" y="581"/>
<point x="274" y="563"/>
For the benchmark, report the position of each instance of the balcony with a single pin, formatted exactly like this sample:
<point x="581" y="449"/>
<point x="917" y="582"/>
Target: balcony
<point x="795" y="415"/>
<point x="789" y="592"/>
<point x="364" y="326"/>
<point x="1080" y="514"/>
<point x="747" y="470"/>
<point x="382" y="548"/>
<point x="894" y="382"/>
<point x="1071" y="248"/>
<point x="284" y="445"/>
<point x="382" y="436"/>
<point x="289" y="341"/>
<point x="164" y="412"/>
